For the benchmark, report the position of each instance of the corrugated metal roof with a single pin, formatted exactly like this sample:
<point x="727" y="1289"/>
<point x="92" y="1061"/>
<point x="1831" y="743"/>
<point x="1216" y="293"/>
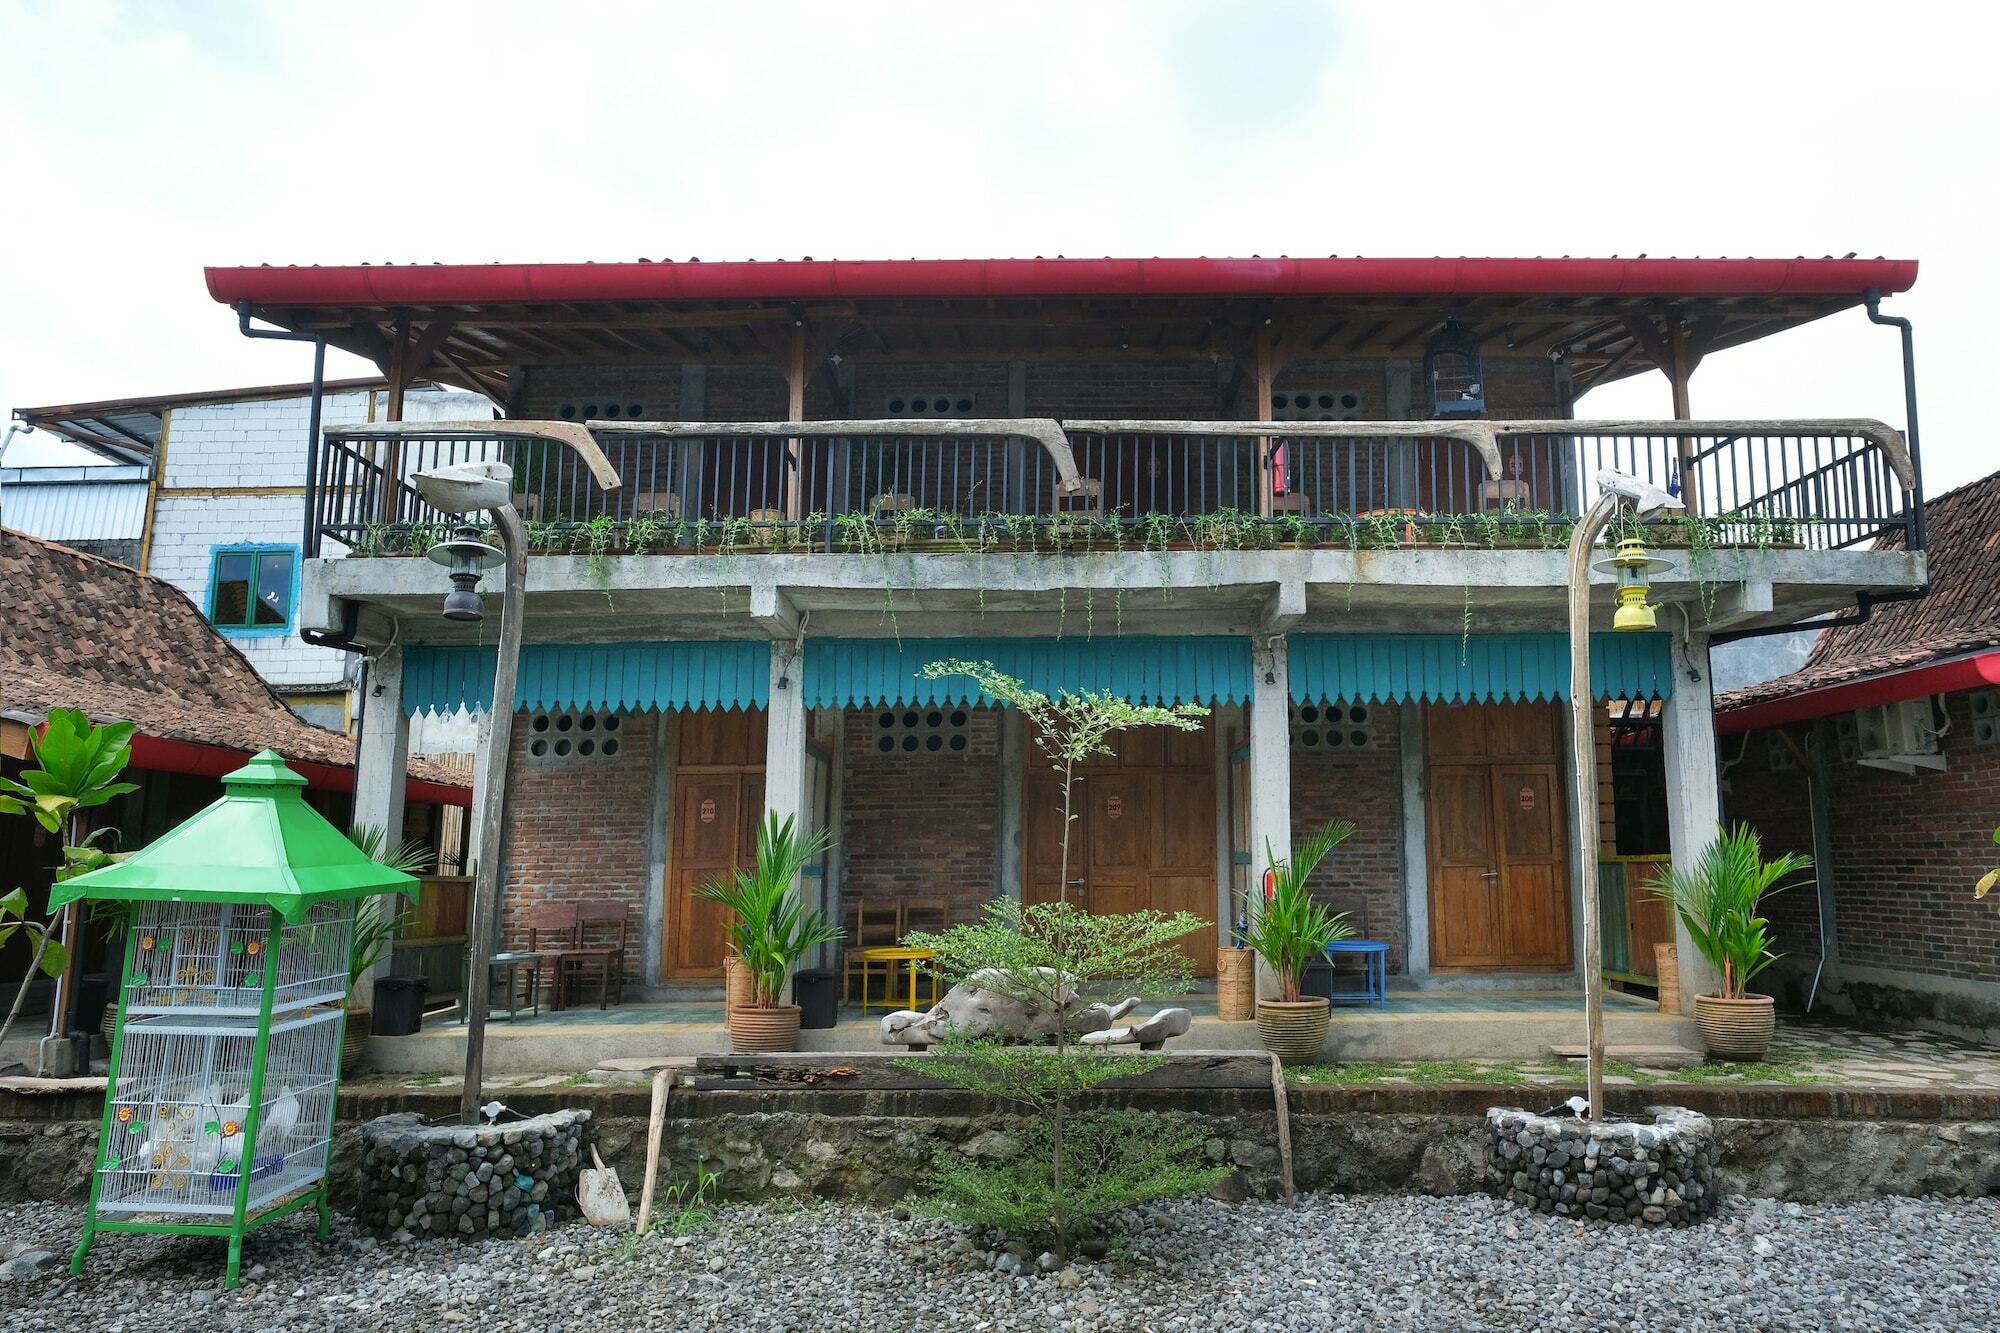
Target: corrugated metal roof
<point x="627" y="676"/>
<point x="74" y="504"/>
<point x="1445" y="668"/>
<point x="864" y="672"/>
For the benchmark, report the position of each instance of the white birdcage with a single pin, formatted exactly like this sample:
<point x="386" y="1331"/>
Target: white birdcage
<point x="180" y="1105"/>
<point x="226" y="1059"/>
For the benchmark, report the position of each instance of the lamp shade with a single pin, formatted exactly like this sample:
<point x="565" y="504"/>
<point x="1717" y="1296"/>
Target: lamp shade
<point x="259" y="843"/>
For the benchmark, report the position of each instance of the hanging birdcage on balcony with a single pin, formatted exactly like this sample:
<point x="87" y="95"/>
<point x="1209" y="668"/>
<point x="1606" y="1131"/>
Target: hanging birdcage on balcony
<point x="1455" y="372"/>
<point x="226" y="1056"/>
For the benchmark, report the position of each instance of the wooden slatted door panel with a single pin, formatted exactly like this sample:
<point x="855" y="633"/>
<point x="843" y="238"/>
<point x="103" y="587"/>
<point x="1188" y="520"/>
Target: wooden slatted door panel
<point x="1532" y="856"/>
<point x="708" y="841"/>
<point x="1144" y="833"/>
<point x="1464" y="896"/>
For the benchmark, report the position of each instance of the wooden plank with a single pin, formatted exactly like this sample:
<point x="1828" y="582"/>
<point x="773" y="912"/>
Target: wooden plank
<point x="808" y="1070"/>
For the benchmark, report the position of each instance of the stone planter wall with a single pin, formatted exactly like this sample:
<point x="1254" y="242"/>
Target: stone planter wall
<point x="1660" y="1174"/>
<point x="514" y="1178"/>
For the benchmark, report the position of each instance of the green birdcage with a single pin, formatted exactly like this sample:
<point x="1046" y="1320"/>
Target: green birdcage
<point x="226" y="1058"/>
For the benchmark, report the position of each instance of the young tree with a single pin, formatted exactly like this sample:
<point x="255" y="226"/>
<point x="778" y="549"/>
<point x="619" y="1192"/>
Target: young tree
<point x="1049" y="956"/>
<point x="1071" y="1168"/>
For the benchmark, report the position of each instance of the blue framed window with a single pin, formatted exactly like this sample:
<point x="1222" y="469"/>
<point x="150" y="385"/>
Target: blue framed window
<point x="253" y="589"/>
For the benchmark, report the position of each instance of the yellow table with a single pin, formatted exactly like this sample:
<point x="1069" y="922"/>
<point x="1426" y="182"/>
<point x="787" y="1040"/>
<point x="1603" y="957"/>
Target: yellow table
<point x="892" y="955"/>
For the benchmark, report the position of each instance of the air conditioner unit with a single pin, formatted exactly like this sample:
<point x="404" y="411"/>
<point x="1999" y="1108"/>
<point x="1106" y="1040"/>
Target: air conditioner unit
<point x="1900" y="737"/>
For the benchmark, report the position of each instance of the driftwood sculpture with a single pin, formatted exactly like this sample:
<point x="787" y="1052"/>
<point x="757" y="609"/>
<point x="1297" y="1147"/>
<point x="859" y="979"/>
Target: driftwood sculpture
<point x="977" y="1007"/>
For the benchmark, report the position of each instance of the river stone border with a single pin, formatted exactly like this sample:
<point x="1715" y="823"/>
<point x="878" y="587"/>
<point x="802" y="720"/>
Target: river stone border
<point x="514" y="1178"/>
<point x="1659" y="1174"/>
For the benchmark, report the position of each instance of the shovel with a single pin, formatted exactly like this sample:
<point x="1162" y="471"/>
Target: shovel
<point x="600" y="1196"/>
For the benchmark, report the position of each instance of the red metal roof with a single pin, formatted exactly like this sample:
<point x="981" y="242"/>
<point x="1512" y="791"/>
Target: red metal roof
<point x="804" y="279"/>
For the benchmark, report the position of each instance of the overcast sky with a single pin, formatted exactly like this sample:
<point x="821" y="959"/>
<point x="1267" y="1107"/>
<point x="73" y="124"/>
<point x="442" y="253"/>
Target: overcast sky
<point x="143" y="140"/>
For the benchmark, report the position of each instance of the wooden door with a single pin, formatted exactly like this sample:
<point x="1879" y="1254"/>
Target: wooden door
<point x="718" y="802"/>
<point x="1465" y="901"/>
<point x="1498" y="847"/>
<point x="1143" y="835"/>
<point x="1532" y="856"/>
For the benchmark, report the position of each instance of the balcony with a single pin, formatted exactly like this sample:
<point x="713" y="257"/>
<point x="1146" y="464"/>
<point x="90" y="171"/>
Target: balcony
<point x="979" y="486"/>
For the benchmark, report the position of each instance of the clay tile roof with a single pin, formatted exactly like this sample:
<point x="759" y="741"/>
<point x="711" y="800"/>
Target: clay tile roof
<point x="80" y="631"/>
<point x="1960" y="615"/>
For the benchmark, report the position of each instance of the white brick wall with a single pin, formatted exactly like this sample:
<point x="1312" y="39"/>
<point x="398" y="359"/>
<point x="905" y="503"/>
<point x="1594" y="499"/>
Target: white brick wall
<point x="261" y="444"/>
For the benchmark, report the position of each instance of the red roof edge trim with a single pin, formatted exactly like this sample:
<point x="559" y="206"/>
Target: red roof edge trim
<point x="1973" y="672"/>
<point x="807" y="279"/>
<point x="212" y="761"/>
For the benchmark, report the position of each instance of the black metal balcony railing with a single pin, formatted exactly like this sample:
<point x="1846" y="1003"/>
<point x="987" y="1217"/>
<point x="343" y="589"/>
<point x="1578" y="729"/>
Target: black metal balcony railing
<point x="1814" y="484"/>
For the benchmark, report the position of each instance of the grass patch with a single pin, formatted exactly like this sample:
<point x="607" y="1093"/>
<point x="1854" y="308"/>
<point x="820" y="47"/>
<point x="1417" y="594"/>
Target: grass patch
<point x="1357" y="1071"/>
<point x="424" y="1080"/>
<point x="580" y="1077"/>
<point x="1750" y="1071"/>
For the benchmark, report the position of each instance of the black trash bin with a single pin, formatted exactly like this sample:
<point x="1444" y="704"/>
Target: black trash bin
<point x="399" y="1006"/>
<point x="1318" y="980"/>
<point x="817" y="990"/>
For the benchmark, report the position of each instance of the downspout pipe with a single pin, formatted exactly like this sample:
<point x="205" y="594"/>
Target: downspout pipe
<point x="309" y="541"/>
<point x="1866" y="602"/>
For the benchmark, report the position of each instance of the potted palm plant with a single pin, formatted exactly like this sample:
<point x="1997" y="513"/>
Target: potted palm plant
<point x="1289" y="934"/>
<point x="1716" y="897"/>
<point x="772" y="930"/>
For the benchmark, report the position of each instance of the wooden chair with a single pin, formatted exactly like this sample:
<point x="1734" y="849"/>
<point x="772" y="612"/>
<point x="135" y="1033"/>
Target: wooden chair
<point x="552" y="937"/>
<point x="595" y="955"/>
<point x="871" y="923"/>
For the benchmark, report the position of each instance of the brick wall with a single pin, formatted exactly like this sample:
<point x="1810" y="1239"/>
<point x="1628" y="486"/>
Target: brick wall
<point x="1364" y="875"/>
<point x="1906" y="851"/>
<point x="921" y="824"/>
<point x="579" y="830"/>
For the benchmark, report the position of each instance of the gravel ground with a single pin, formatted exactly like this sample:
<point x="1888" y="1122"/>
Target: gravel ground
<point x="1330" y="1263"/>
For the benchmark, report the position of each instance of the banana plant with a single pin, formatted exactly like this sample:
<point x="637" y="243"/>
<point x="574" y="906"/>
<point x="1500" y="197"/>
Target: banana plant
<point x="73" y="765"/>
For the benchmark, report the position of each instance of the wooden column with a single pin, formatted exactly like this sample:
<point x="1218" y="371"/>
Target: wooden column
<point x="795" y="410"/>
<point x="392" y="452"/>
<point x="1266" y="376"/>
<point x="1679" y="370"/>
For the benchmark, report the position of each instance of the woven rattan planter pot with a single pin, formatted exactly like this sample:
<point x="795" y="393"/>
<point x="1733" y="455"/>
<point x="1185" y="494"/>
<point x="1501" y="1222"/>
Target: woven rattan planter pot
<point x="1235" y="985"/>
<point x="760" y="1030"/>
<point x="1736" y="1029"/>
<point x="1293" y="1030"/>
<point x="737" y="983"/>
<point x="354" y="1037"/>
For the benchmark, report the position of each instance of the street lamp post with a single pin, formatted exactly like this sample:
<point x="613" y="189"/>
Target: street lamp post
<point x="1632" y="567"/>
<point x="470" y="488"/>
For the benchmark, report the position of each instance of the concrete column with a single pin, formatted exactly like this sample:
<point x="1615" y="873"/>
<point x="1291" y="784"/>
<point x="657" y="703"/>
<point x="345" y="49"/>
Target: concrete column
<point x="1694" y="795"/>
<point x="475" y="832"/>
<point x="1007" y="777"/>
<point x="785" y="736"/>
<point x="659" y="830"/>
<point x="1416" y="844"/>
<point x="1270" y="764"/>
<point x="381" y="769"/>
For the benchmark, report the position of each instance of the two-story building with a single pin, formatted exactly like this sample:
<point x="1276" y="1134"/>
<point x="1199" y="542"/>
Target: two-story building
<point x="1327" y="499"/>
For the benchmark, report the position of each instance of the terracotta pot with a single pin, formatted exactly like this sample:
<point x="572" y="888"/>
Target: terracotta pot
<point x="1293" y="1030"/>
<point x="754" y="1030"/>
<point x="1235" y="985"/>
<point x="354" y="1037"/>
<point x="1736" y="1029"/>
<point x="739" y="984"/>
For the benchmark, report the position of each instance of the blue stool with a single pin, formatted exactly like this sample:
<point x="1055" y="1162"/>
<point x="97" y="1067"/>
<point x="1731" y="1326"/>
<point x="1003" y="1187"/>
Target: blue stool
<point x="1374" y="955"/>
